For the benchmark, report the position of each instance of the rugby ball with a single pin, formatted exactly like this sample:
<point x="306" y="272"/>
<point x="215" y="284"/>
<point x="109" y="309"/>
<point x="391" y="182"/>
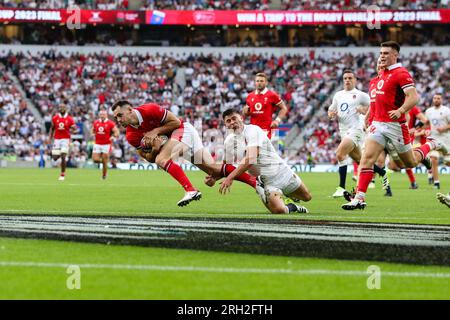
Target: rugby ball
<point x="147" y="149"/>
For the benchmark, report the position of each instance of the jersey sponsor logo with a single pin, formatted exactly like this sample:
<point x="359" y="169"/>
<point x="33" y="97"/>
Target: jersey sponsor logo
<point x="61" y="125"/>
<point x="380" y="84"/>
<point x="101" y="130"/>
<point x="373" y="93"/>
<point x="258" y="106"/>
<point x="435" y="122"/>
<point x="344" y="107"/>
<point x="354" y="96"/>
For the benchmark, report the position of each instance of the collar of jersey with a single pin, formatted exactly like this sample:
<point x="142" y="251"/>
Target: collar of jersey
<point x="394" y="66"/>
<point x="138" y="114"/>
<point x="62" y="116"/>
<point x="262" y="92"/>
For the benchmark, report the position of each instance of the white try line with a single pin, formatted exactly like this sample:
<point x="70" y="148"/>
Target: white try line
<point x="300" y="272"/>
<point x="302" y="216"/>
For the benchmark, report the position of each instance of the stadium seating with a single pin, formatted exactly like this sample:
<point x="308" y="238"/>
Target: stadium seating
<point x="199" y="88"/>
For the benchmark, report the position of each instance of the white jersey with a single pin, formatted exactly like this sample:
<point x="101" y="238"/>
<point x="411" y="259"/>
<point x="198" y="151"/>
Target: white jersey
<point x="268" y="163"/>
<point x="439" y="117"/>
<point x="345" y="103"/>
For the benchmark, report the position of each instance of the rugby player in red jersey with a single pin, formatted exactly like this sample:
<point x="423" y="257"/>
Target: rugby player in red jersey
<point x="105" y="131"/>
<point x="395" y="96"/>
<point x="262" y="104"/>
<point x="145" y="126"/>
<point x="62" y="126"/>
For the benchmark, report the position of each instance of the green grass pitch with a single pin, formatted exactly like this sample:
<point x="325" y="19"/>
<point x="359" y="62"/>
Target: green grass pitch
<point x="35" y="269"/>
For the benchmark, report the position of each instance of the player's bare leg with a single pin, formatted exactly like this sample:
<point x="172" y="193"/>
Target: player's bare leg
<point x="371" y="153"/>
<point x="171" y="151"/>
<point x="346" y="147"/>
<point x="435" y="171"/>
<point x="63" y="166"/>
<point x="276" y="205"/>
<point x="97" y="158"/>
<point x="105" y="159"/>
<point x="205" y="162"/>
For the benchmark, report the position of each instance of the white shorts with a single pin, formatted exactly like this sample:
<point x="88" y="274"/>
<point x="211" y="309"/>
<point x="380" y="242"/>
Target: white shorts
<point x="189" y="136"/>
<point x="356" y="135"/>
<point x="392" y="151"/>
<point x="394" y="132"/>
<point x="101" y="148"/>
<point x="60" y="146"/>
<point x="284" y="183"/>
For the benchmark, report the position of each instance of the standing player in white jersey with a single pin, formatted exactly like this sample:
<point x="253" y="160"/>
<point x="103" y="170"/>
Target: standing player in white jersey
<point x="347" y="106"/>
<point x="439" y="118"/>
<point x="249" y="146"/>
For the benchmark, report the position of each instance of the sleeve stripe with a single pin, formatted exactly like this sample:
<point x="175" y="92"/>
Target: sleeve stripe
<point x="408" y="85"/>
<point x="164" y="117"/>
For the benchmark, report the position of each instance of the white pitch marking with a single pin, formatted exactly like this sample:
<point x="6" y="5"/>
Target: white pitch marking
<point x="300" y="272"/>
<point x="219" y="215"/>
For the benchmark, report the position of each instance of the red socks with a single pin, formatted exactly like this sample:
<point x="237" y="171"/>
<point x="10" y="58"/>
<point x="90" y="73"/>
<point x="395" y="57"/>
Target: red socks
<point x="423" y="150"/>
<point x="245" y="177"/>
<point x="365" y="176"/>
<point x="410" y="174"/>
<point x="177" y="173"/>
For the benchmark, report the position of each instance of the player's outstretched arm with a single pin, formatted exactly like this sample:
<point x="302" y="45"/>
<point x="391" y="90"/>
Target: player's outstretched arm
<point x="250" y="159"/>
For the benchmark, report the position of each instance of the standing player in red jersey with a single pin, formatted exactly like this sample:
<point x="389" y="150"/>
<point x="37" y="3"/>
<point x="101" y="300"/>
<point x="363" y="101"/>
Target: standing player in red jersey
<point x="105" y="131"/>
<point x="147" y="123"/>
<point x="262" y="103"/>
<point x="62" y="126"/>
<point x="395" y="96"/>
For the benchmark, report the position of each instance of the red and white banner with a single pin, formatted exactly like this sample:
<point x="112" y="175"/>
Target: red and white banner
<point x="172" y="17"/>
<point x="73" y="16"/>
<point x="223" y="17"/>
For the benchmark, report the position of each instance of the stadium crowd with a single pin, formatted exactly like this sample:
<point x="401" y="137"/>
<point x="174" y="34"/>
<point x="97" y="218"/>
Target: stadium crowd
<point x="195" y="88"/>
<point x="228" y="5"/>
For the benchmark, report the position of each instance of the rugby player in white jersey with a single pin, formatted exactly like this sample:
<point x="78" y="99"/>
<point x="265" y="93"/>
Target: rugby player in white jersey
<point x="347" y="106"/>
<point x="249" y="146"/>
<point x="439" y="118"/>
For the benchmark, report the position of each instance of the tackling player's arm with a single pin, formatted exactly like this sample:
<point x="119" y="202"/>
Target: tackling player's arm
<point x="250" y="158"/>
<point x="171" y="123"/>
<point x="281" y="115"/>
<point x="411" y="99"/>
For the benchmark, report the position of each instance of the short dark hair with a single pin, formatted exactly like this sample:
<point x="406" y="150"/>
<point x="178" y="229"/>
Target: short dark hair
<point x="120" y="104"/>
<point x="391" y="44"/>
<point x="347" y="71"/>
<point x="229" y="112"/>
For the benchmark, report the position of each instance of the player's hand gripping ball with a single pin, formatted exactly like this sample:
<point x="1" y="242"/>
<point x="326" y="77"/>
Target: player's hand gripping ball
<point x="157" y="143"/>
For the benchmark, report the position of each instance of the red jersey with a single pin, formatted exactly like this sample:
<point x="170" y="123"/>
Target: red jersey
<point x="389" y="93"/>
<point x="262" y="107"/>
<point x="62" y="126"/>
<point x="373" y="95"/>
<point x="150" y="116"/>
<point x="103" y="131"/>
<point x="412" y="119"/>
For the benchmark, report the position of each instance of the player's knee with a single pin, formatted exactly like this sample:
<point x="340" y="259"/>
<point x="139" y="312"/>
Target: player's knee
<point x="161" y="161"/>
<point x="278" y="209"/>
<point x="307" y="197"/>
<point x="340" y="156"/>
